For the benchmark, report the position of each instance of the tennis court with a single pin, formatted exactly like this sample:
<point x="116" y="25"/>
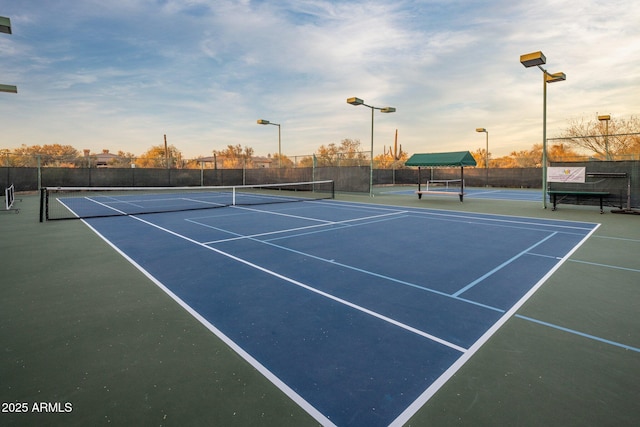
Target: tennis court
<point x="359" y="313"/>
<point x="525" y="195"/>
<point x="327" y="298"/>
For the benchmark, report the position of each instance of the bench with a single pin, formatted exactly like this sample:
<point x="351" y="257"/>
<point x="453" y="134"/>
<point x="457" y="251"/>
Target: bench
<point x="446" y="193"/>
<point x="557" y="196"/>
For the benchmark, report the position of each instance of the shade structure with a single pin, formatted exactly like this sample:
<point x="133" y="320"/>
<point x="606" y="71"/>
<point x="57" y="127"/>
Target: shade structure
<point x="454" y="158"/>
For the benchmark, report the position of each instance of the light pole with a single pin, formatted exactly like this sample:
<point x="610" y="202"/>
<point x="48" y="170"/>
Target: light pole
<point x="606" y="119"/>
<point x="5" y="27"/>
<point x="267" y="122"/>
<point x="536" y="59"/>
<point x="358" y="101"/>
<point x="486" y="158"/>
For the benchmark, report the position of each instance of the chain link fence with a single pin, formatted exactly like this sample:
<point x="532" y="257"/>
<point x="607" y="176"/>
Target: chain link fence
<point x="620" y="179"/>
<point x="347" y="178"/>
<point x="349" y="171"/>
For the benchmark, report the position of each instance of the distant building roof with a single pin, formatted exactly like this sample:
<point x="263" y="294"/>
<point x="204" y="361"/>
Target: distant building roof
<point x="105" y="156"/>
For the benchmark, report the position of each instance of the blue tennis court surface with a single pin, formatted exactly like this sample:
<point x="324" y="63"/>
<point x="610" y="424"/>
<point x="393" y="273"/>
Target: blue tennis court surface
<point x="358" y="312"/>
<point x="484" y="193"/>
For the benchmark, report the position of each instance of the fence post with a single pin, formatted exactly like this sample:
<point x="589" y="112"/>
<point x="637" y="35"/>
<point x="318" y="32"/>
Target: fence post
<point x="39" y="173"/>
<point x="313" y="168"/>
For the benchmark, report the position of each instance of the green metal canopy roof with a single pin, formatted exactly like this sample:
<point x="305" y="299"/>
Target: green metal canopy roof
<point x="456" y="158"/>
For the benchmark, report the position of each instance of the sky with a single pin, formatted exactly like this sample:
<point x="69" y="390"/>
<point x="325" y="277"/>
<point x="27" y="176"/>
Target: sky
<point x="121" y="74"/>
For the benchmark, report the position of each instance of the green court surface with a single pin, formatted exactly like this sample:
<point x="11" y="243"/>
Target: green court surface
<point x="87" y="339"/>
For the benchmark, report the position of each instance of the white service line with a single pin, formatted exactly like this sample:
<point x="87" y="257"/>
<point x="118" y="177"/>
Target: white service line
<point x="325" y="223"/>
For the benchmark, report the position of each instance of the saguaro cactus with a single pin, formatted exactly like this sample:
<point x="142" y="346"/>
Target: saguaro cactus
<point x="396" y="154"/>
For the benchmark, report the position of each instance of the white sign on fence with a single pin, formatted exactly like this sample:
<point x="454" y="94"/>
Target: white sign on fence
<point x="566" y="174"/>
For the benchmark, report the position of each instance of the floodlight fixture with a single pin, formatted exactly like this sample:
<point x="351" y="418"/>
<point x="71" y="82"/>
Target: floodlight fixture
<point x="481" y="130"/>
<point x="5" y="25"/>
<point x="388" y="110"/>
<point x="607" y="117"/>
<point x="355" y="101"/>
<point x="533" y="59"/>
<point x="264" y="122"/>
<point x="555" y="77"/>
<point x="8" y="88"/>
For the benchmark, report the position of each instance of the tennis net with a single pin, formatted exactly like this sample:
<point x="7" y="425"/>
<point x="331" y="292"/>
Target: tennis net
<point x="92" y="202"/>
<point x="445" y="185"/>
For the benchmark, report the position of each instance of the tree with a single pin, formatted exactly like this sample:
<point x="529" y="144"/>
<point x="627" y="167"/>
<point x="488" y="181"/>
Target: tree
<point x="327" y="156"/>
<point x="50" y="155"/>
<point x="634" y="147"/>
<point x="306" y="162"/>
<point x="520" y="159"/>
<point x="388" y="160"/>
<point x="283" y="161"/>
<point x="346" y="154"/>
<point x="157" y="157"/>
<point x="604" y="138"/>
<point x="234" y="156"/>
<point x="480" y="156"/>
<point x="562" y="153"/>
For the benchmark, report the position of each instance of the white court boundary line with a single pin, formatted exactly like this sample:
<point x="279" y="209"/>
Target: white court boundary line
<point x="417" y="404"/>
<point x="250" y="359"/>
<point x="425" y="396"/>
<point x="436" y="385"/>
<point x="324" y="223"/>
<point x="293" y="395"/>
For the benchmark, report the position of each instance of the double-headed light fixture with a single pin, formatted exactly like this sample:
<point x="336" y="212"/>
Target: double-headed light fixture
<point x="358" y="101"/>
<point x="536" y="59"/>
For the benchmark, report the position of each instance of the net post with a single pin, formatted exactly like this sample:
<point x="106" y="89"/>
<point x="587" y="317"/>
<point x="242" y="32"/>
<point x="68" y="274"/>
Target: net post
<point x="42" y="190"/>
<point x="44" y="204"/>
<point x="461" y="183"/>
<point x="233" y="197"/>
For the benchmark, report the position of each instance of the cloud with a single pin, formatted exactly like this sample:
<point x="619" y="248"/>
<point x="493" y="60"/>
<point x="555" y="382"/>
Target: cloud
<point x="126" y="71"/>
